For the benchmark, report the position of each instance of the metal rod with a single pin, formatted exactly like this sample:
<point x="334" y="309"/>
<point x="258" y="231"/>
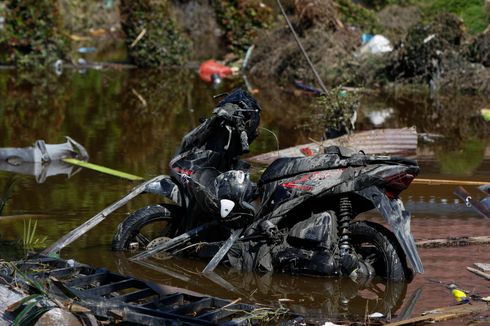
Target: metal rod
<point x="317" y="76"/>
<point x="99" y="217"/>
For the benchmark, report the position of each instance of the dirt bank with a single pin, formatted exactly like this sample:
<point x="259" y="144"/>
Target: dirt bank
<point x="440" y="55"/>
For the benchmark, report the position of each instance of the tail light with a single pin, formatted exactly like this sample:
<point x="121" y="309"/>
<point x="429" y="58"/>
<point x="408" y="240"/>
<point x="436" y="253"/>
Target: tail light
<point x="396" y="183"/>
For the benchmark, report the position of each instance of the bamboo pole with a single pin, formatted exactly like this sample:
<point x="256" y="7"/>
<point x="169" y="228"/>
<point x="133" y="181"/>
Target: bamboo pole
<point x="437" y="182"/>
<point x="102" y="169"/>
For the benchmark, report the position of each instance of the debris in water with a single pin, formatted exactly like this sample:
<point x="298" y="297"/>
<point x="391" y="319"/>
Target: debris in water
<point x="378" y="44"/>
<point x="376" y="315"/>
<point x="44" y="153"/>
<point x="459" y="295"/>
<point x="211" y="67"/>
<point x="479" y="273"/>
<point x="84" y="50"/>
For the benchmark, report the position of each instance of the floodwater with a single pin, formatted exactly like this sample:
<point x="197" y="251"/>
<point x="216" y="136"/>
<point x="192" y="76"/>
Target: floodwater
<point x="133" y="120"/>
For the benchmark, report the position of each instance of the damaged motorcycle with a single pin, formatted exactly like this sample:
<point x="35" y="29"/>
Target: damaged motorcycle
<point x="299" y="217"/>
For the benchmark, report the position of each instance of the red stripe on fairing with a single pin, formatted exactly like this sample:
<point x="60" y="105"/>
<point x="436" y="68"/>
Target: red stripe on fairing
<point x="183" y="171"/>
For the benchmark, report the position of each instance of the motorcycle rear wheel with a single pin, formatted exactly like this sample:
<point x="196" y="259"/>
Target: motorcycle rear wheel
<point x="142" y="227"/>
<point x="378" y="246"/>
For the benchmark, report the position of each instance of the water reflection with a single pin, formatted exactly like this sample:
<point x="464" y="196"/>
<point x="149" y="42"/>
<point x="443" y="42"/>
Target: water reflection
<point x="312" y="297"/>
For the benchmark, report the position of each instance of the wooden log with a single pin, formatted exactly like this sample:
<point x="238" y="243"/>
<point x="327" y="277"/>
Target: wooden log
<point x="448" y="242"/>
<point x="441" y="314"/>
<point x="379" y="141"/>
<point x="479" y="273"/>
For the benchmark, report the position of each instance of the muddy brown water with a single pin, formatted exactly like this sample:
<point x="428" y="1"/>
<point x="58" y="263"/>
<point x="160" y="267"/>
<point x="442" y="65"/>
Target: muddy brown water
<point x="133" y="121"/>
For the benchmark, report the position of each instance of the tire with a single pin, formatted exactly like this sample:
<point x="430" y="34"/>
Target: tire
<point x="374" y="240"/>
<point x="129" y="230"/>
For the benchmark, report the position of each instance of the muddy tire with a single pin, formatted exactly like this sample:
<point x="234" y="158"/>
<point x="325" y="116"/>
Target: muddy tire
<point x="375" y="241"/>
<point x="157" y="218"/>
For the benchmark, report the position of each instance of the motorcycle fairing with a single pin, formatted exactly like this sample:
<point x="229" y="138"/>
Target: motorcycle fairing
<point x="285" y="194"/>
<point x="399" y="221"/>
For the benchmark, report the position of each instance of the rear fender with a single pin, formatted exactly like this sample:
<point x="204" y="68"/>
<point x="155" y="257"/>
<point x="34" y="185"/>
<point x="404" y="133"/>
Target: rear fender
<point x="399" y="221"/>
<point x="165" y="187"/>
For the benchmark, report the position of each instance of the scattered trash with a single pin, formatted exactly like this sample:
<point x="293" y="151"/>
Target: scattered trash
<point x="43" y="153"/>
<point x="210" y="67"/>
<point x="379" y="117"/>
<point x="328" y="323"/>
<point x="85" y="50"/>
<point x="376" y="315"/>
<point x="459" y="295"/>
<point x="2" y="22"/>
<point x="300" y="85"/>
<point x="428" y="38"/>
<point x="429" y="137"/>
<point x="378" y="44"/>
<point x="366" y="38"/>
<point x="58" y="67"/>
<point x="247" y="57"/>
<point x="479" y="207"/>
<point x="486" y="114"/>
<point x="138" y="38"/>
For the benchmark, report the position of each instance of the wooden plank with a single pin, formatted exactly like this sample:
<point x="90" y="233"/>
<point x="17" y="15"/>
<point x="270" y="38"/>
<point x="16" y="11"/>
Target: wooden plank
<point x="479" y="273"/>
<point x="378" y="141"/>
<point x="446" y="313"/>
<point x="7" y="298"/>
<point x="448" y="242"/>
<point x="483" y="266"/>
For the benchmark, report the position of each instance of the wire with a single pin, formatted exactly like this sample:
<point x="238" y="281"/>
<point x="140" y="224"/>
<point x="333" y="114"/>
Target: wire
<point x="275" y="136"/>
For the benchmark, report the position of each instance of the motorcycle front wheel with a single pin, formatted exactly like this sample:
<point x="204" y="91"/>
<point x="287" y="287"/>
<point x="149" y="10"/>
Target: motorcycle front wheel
<point x="378" y="247"/>
<point x="144" y="227"/>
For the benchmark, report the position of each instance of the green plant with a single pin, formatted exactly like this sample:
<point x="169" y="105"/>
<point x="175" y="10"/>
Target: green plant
<point x="472" y="12"/>
<point x="29" y="239"/>
<point x="7" y="192"/>
<point x="334" y="110"/>
<point x="242" y="20"/>
<point x="152" y="37"/>
<point x="32" y="33"/>
<point x="357" y="15"/>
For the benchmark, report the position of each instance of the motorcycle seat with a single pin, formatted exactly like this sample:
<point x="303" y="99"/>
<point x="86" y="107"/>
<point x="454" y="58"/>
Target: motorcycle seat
<point x="286" y="167"/>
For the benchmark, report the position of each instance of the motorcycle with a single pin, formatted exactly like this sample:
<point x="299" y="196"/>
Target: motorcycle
<point x="298" y="218"/>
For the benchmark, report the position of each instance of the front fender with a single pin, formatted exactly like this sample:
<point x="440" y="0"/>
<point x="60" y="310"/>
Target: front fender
<point x="165" y="187"/>
<point x="399" y="221"/>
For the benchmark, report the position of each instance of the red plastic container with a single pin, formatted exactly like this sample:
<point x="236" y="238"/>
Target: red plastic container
<point x="211" y="67"/>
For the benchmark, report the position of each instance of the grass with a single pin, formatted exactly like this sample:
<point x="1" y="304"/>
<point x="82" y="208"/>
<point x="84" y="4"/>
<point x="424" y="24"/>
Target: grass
<point x="29" y="239"/>
<point x="473" y="13"/>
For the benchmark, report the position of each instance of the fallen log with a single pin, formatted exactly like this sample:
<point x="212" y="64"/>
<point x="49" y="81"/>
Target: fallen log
<point x="401" y="141"/>
<point x="441" y="314"/>
<point x="450" y="242"/>
<point x="479" y="273"/>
